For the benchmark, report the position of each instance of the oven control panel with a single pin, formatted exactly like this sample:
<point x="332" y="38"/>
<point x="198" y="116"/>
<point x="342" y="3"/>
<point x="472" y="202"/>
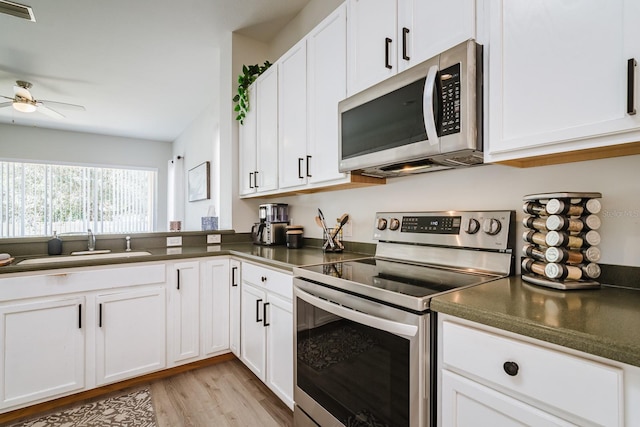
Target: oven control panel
<point x="469" y="229"/>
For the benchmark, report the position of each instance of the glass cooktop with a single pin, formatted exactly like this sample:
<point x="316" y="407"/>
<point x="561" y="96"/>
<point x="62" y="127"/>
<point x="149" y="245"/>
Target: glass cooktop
<point x="397" y="283"/>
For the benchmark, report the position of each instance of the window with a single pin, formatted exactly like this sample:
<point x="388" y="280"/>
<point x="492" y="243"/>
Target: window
<point x="37" y="199"/>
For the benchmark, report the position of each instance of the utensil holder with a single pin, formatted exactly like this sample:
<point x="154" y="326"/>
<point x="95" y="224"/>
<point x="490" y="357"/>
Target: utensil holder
<point x="338" y="246"/>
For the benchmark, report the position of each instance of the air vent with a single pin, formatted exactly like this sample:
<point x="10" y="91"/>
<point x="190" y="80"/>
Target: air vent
<point x="17" y="10"/>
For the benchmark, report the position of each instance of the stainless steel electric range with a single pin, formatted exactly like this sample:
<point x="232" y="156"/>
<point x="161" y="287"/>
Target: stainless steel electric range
<point x="364" y="339"/>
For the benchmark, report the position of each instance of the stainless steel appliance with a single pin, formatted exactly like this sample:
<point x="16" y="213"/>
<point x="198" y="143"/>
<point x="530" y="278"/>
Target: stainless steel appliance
<point x="424" y="119"/>
<point x="364" y="339"/>
<point x="271" y="230"/>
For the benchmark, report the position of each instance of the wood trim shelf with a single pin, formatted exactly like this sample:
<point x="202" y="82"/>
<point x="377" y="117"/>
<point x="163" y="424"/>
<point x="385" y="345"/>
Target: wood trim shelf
<point x="41" y="408"/>
<point x="618" y="150"/>
<point x="355" y="181"/>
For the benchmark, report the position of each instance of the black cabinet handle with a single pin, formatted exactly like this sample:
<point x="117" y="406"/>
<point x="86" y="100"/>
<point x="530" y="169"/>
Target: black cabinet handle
<point x="264" y="315"/>
<point x="258" y="319"/>
<point x="250" y="179"/>
<point x="100" y="315"/>
<point x="387" y="47"/>
<point x="79" y="316"/>
<point x="631" y="74"/>
<point x="300" y="159"/>
<point x="255" y="179"/>
<point x="405" y="32"/>
<point x="511" y="368"/>
<point x="263" y="279"/>
<point x="233" y="276"/>
<point x="308" y="174"/>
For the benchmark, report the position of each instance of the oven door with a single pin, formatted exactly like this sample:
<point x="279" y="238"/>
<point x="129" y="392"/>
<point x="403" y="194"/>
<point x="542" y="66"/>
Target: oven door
<point x="358" y="362"/>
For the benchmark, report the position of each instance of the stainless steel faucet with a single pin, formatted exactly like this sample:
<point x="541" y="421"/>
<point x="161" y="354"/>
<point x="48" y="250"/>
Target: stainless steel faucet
<point x="91" y="240"/>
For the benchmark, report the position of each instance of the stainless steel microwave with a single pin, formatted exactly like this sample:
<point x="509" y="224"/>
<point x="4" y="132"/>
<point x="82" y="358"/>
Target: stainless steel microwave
<point x="424" y="119"/>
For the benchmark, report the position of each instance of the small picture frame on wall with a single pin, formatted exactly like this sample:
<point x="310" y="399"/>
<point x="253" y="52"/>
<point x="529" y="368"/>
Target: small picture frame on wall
<point x="199" y="182"/>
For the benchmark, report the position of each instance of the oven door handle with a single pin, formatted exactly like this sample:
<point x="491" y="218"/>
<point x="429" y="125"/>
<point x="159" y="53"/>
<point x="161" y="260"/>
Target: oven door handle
<point x="386" y="325"/>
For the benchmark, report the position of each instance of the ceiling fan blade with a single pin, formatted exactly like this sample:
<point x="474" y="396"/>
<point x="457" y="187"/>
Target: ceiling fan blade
<point x="2" y="96"/>
<point x="5" y="104"/>
<point x="48" y="111"/>
<point x="63" y="105"/>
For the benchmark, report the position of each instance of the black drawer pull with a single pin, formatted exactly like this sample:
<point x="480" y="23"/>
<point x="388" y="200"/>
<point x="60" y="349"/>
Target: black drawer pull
<point x="100" y="315"/>
<point x="511" y="368"/>
<point x="308" y="174"/>
<point x="387" y="47"/>
<point x="258" y="319"/>
<point x="79" y="316"/>
<point x="178" y="285"/>
<point x="405" y="32"/>
<point x="264" y="314"/>
<point x="631" y="86"/>
<point x="233" y="276"/>
<point x="250" y="180"/>
<point x="300" y="160"/>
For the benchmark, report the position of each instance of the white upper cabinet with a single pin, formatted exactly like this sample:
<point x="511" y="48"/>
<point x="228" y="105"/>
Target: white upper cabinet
<point x="258" y="150"/>
<point x="389" y="36"/>
<point x="247" y="147"/>
<point x="292" y="117"/>
<point x="429" y="27"/>
<point x="267" y="127"/>
<point x="372" y="42"/>
<point x="327" y="85"/>
<point x="559" y="76"/>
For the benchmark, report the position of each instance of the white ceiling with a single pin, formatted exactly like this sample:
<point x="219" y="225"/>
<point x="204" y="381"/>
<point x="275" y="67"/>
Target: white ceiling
<point x="142" y="69"/>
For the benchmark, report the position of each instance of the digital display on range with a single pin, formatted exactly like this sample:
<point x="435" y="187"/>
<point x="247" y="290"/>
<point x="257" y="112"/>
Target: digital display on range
<point x="431" y="224"/>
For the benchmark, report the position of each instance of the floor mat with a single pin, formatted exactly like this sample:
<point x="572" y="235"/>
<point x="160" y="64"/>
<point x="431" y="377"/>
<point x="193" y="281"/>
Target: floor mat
<point x="133" y="409"/>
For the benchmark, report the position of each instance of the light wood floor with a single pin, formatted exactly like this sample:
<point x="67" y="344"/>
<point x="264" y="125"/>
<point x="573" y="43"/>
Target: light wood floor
<point x="224" y="394"/>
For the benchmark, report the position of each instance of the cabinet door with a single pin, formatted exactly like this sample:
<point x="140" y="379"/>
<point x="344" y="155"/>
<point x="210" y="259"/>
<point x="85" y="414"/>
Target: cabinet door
<point x="234" y="308"/>
<point x="215" y="306"/>
<point x="465" y="403"/>
<point x="253" y="337"/>
<point x="43" y="349"/>
<point x="558" y="74"/>
<point x="130" y="337"/>
<point x="429" y="27"/>
<point x="248" y="146"/>
<point x="372" y="43"/>
<point x="327" y="85"/>
<point x="266" y="106"/>
<point x="279" y="321"/>
<point x="292" y="116"/>
<point x="184" y="313"/>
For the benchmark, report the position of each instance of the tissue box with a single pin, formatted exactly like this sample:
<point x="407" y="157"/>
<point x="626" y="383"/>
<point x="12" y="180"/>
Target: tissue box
<point x="209" y="223"/>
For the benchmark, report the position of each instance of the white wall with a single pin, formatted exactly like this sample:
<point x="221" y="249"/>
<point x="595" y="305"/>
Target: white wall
<point x="492" y="187"/>
<point x="37" y="144"/>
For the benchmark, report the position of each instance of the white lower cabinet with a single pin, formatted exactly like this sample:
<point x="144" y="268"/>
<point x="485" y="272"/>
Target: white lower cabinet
<point x="214" y="306"/>
<point x="489" y="378"/>
<point x="267" y="328"/>
<point x="43" y="348"/>
<point x="183" y="312"/>
<point x="130" y="339"/>
<point x="234" y="308"/>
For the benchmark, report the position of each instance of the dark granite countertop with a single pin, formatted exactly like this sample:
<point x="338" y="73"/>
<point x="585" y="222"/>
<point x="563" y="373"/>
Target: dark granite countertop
<point x="274" y="256"/>
<point x="604" y="322"/>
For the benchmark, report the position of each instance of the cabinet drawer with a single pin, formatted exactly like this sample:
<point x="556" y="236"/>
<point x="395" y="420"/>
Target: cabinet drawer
<point x="268" y="279"/>
<point x="65" y="281"/>
<point x="573" y="385"/>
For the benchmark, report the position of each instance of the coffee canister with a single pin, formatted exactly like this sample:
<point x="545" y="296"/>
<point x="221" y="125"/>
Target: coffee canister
<point x="295" y="237"/>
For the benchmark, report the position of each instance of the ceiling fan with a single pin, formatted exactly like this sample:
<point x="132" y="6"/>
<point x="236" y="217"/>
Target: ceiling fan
<point x="23" y="101"/>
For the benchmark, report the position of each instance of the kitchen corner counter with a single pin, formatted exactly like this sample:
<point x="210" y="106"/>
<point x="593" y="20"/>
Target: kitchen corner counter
<point x="603" y="322"/>
<point x="273" y="256"/>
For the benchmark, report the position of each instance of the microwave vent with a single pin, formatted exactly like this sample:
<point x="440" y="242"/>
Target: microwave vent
<point x="17" y="10"/>
<point x="470" y="160"/>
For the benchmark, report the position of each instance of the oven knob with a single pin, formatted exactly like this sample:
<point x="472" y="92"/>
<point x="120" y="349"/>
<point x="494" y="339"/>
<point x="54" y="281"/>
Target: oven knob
<point x="491" y="226"/>
<point x="382" y="223"/>
<point x="472" y="226"/>
<point x="394" y="224"/>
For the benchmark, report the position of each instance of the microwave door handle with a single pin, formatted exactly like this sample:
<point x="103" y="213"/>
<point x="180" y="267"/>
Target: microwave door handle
<point x="427" y="105"/>
<point x="386" y="325"/>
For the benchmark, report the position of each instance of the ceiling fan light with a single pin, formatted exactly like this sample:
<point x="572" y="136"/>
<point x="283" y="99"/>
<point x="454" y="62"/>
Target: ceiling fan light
<point x="24" y="107"/>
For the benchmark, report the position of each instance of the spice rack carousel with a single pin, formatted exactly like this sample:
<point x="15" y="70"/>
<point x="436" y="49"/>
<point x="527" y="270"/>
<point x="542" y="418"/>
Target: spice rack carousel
<point x="561" y="240"/>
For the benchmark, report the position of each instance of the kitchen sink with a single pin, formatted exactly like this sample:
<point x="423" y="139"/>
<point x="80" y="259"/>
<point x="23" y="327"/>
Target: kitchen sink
<point x="82" y="256"/>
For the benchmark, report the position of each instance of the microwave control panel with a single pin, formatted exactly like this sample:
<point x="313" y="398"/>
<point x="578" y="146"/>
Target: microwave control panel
<point x="450" y="83"/>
